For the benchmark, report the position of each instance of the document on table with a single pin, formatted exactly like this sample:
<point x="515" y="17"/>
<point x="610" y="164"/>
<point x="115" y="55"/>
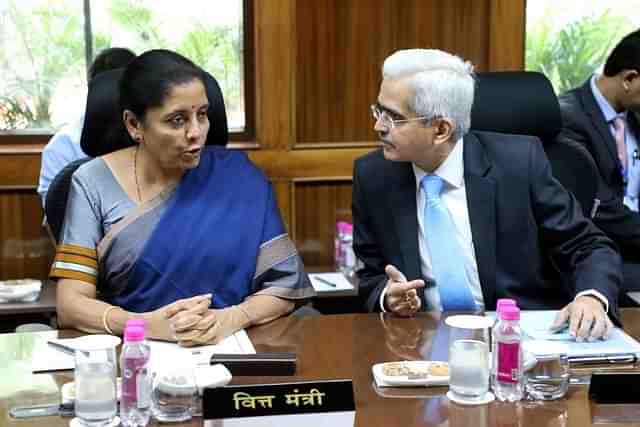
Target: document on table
<point x="536" y="324"/>
<point x="163" y="353"/>
<point x="48" y="358"/>
<point x="330" y="282"/>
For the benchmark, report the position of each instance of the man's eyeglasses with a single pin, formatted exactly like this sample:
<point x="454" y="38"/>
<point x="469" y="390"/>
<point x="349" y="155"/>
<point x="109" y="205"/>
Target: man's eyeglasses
<point x="388" y="121"/>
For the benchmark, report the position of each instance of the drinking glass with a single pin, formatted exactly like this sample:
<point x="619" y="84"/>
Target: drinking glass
<point x="174" y="391"/>
<point x="469" y="364"/>
<point x="548" y="379"/>
<point x="95" y="379"/>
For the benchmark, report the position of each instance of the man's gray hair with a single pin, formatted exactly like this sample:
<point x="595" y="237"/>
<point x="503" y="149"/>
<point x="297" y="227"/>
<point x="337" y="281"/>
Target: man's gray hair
<point x="443" y="84"/>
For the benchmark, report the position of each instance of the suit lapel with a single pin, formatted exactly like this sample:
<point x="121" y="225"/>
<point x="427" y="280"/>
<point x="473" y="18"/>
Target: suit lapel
<point x="481" y="203"/>
<point x="594" y="112"/>
<point x="403" y="207"/>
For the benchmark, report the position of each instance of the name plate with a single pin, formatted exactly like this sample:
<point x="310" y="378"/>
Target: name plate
<point x="285" y="404"/>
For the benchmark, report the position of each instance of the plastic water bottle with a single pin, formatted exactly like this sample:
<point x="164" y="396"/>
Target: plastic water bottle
<point x="349" y="257"/>
<point x="502" y="302"/>
<point x="339" y="253"/>
<point x="507" y="383"/>
<point x="135" y="408"/>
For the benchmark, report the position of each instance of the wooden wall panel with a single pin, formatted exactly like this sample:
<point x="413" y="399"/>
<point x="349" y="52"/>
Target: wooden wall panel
<point x="317" y="70"/>
<point x="507" y="36"/>
<point x="341" y="46"/>
<point x="25" y="248"/>
<point x="318" y="205"/>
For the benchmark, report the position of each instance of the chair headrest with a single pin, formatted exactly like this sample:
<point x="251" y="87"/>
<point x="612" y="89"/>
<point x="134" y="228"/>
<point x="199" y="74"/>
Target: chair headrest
<point x="104" y="132"/>
<point x="519" y="102"/>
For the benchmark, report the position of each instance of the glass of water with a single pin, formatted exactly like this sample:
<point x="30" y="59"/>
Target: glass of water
<point x="548" y="379"/>
<point x="469" y="364"/>
<point x="95" y="379"/>
<point x="174" y="391"/>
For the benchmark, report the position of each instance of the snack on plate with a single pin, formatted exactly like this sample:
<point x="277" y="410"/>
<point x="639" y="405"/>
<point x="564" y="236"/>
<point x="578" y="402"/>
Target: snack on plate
<point x="404" y="369"/>
<point x="439" y="369"/>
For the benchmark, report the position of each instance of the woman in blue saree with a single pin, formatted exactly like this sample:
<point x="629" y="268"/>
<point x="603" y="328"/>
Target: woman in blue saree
<point x="186" y="236"/>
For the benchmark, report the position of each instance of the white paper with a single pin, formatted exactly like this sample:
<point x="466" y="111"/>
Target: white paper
<point x="48" y="358"/>
<point x="536" y="324"/>
<point x="163" y="352"/>
<point x="322" y="282"/>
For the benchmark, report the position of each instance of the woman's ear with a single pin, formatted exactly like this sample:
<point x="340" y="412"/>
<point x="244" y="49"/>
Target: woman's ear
<point x="133" y="125"/>
<point x="442" y="130"/>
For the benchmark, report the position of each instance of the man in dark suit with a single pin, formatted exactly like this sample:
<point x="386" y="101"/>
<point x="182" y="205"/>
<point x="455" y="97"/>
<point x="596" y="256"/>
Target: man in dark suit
<point x="601" y="115"/>
<point x="447" y="219"/>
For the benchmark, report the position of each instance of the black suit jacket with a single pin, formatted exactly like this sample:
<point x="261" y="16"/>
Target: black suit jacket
<point x="517" y="212"/>
<point x="583" y="122"/>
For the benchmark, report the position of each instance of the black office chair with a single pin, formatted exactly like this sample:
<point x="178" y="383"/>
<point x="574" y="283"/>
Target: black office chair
<point x="55" y="204"/>
<point x="523" y="102"/>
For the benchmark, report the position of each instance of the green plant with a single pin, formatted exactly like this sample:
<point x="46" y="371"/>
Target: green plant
<point x="217" y="50"/>
<point x="570" y="55"/>
<point x="51" y="44"/>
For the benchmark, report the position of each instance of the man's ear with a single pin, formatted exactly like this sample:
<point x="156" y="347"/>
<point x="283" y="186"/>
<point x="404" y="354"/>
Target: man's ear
<point x="627" y="78"/>
<point x="442" y="130"/>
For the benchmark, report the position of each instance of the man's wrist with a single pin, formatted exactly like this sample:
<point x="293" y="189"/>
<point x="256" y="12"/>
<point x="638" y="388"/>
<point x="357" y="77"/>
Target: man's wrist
<point x="597" y="296"/>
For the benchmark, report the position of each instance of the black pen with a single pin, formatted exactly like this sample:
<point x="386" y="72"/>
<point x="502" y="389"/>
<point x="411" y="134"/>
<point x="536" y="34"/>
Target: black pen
<point x="326" y="282"/>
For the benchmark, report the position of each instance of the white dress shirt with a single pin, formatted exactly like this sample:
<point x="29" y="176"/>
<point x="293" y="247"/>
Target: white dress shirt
<point x="454" y="197"/>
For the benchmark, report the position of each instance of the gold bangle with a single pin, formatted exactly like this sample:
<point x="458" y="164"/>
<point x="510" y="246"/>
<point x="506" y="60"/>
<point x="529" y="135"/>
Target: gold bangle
<point x="104" y="319"/>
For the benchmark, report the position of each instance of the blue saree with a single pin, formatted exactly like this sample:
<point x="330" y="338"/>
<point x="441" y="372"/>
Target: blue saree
<point x="220" y="233"/>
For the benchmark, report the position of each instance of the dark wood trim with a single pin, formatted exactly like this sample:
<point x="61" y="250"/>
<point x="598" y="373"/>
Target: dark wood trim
<point x="306" y="180"/>
<point x="248" y="135"/>
<point x="18" y="189"/>
<point x="23" y="137"/>
<point x="332" y="145"/>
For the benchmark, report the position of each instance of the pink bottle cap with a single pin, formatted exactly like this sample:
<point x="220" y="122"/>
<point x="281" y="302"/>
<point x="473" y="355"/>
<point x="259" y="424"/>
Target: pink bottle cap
<point x="136" y="322"/>
<point x="510" y="312"/>
<point x="133" y="334"/>
<point x="348" y="228"/>
<point x="503" y="302"/>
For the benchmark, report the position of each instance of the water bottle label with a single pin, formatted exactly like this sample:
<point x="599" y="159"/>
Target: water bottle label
<point x="350" y="257"/>
<point x="508" y="362"/>
<point x="143" y="389"/>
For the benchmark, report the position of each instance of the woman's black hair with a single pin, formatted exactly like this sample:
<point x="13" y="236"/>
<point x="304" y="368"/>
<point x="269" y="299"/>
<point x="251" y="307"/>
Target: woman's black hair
<point x="148" y="79"/>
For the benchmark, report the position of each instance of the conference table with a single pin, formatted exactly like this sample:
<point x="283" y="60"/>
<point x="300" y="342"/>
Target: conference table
<point x="339" y="347"/>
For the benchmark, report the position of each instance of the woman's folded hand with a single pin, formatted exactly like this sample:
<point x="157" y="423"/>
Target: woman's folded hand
<point x="164" y="322"/>
<point x="214" y="326"/>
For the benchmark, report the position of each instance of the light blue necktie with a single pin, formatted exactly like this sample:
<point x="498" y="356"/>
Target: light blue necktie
<point x="446" y="254"/>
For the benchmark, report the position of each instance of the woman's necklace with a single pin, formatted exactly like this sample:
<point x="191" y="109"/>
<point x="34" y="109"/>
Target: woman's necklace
<point x="135" y="173"/>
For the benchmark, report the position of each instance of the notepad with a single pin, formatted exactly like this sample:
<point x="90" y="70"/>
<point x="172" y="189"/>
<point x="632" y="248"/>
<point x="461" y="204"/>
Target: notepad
<point x="47" y="358"/>
<point x="329" y="282"/>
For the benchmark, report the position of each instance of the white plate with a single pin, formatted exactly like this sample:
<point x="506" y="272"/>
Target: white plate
<point x="400" y="380"/>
